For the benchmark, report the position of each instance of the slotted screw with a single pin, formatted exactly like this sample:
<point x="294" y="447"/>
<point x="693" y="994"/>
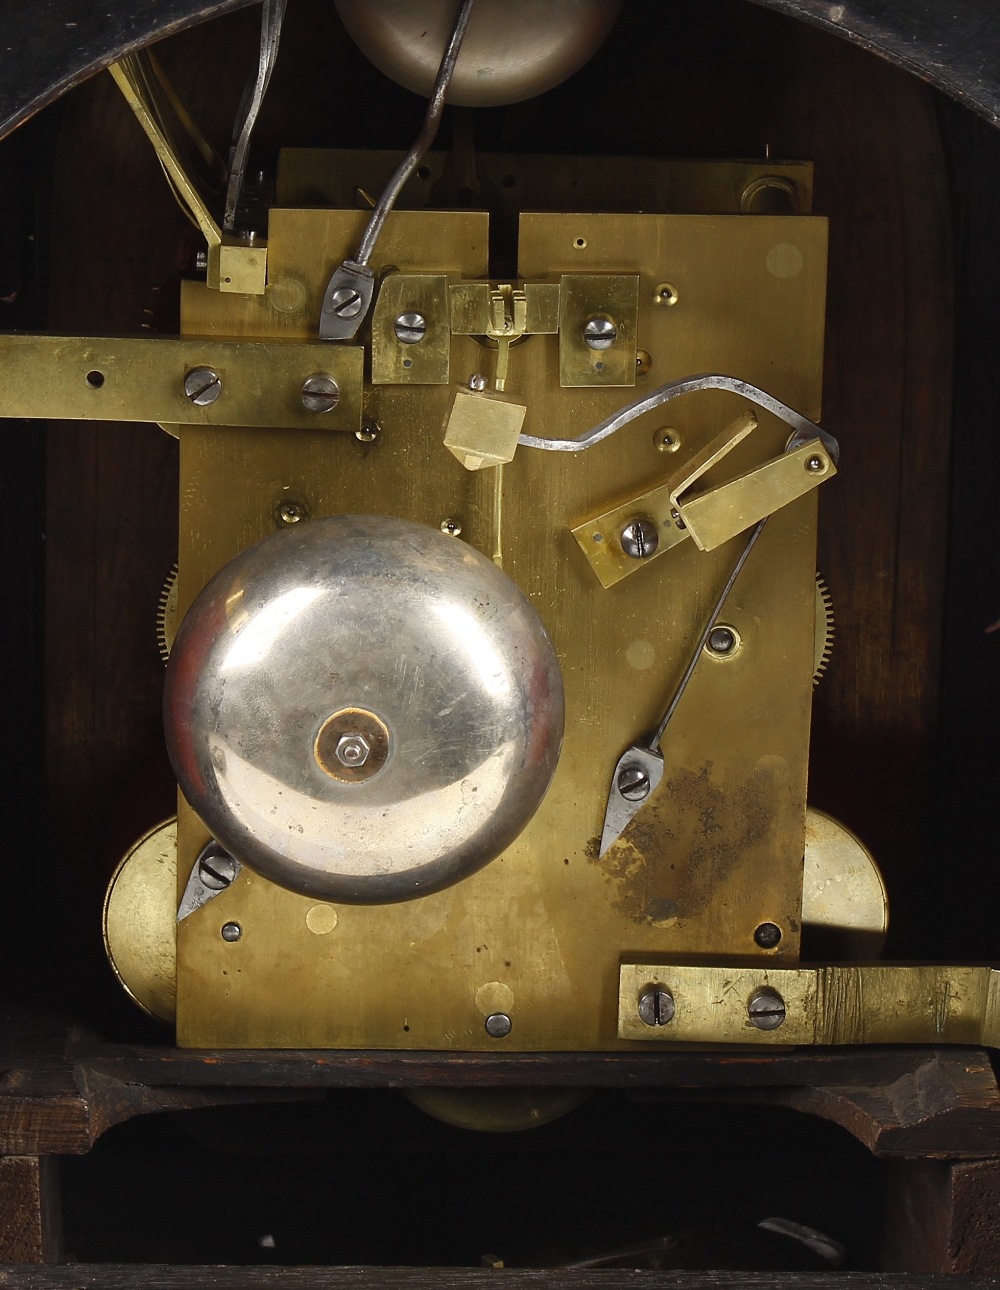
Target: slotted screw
<point x="216" y="869"/>
<point x="202" y="385"/>
<point x="410" y="328"/>
<point x="639" y="538"/>
<point x="633" y="783"/>
<point x="345" y="303"/>
<point x="320" y="393"/>
<point x="656" y="1006"/>
<point x="766" y="1009"/>
<point x="599" y="333"/>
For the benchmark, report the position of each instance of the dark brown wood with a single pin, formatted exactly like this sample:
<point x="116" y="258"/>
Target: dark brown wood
<point x="944" y="1216"/>
<point x="881" y="178"/>
<point x="61" y="1091"/>
<point x="29" y="1210"/>
<point x="947" y="1106"/>
<point x="161" y="1277"/>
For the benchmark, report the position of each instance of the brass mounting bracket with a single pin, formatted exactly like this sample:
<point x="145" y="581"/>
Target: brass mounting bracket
<point x="181" y="381"/>
<point x="710" y="518"/>
<point x="875" y="1003"/>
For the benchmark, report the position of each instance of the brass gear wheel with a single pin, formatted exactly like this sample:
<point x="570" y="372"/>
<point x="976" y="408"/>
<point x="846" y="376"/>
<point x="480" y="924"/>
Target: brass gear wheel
<point x="166" y="615"/>
<point x="823" y="646"/>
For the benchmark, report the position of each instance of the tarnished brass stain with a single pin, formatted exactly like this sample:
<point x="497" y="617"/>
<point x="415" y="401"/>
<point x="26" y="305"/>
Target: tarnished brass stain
<point x="344" y="724"/>
<point x="712" y="856"/>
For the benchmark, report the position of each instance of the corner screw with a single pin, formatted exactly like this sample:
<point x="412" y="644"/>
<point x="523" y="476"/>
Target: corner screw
<point x="231" y="932"/>
<point x="498" y="1025"/>
<point x="599" y="333"/>
<point x="216" y="868"/>
<point x="766" y="1009"/>
<point x="633" y="783"/>
<point x="410" y="328"/>
<point x="320" y="393"/>
<point x="815" y="465"/>
<point x="656" y="1006"/>
<point x="639" y="538"/>
<point x="345" y="303"/>
<point x="202" y="385"/>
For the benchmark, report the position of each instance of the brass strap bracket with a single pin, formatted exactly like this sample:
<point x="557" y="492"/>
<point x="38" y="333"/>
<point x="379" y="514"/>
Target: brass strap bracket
<point x="718" y="514"/>
<point x="288" y="385"/>
<point x="858" y="1004"/>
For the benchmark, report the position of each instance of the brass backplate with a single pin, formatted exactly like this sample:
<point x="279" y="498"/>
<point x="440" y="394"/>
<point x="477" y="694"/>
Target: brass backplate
<point x="540" y="933"/>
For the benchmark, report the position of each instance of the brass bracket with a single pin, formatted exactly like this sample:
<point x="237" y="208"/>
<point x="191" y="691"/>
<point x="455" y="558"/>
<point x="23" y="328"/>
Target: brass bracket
<point x="426" y="361"/>
<point x="858" y="1004"/>
<point x="144" y="379"/>
<point x="498" y="311"/>
<point x="710" y="518"/>
<point x="715" y="516"/>
<point x="588" y="298"/>
<point x="507" y="311"/>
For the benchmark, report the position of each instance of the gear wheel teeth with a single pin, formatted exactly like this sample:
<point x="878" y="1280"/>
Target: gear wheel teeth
<point x="166" y="615"/>
<point x="825" y="629"/>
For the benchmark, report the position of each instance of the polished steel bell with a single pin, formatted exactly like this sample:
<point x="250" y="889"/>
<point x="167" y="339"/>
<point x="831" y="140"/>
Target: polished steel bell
<point x="513" y="49"/>
<point x="363" y="709"/>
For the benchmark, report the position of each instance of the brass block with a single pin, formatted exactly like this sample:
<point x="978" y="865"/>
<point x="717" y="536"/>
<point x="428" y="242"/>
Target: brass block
<point x="589" y="297"/>
<point x="600" y="538"/>
<point x="482" y="429"/>
<point x="469" y="308"/>
<point x="715" y="516"/>
<point x="424" y="362"/>
<point x="236" y="267"/>
<point x="543" y="301"/>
